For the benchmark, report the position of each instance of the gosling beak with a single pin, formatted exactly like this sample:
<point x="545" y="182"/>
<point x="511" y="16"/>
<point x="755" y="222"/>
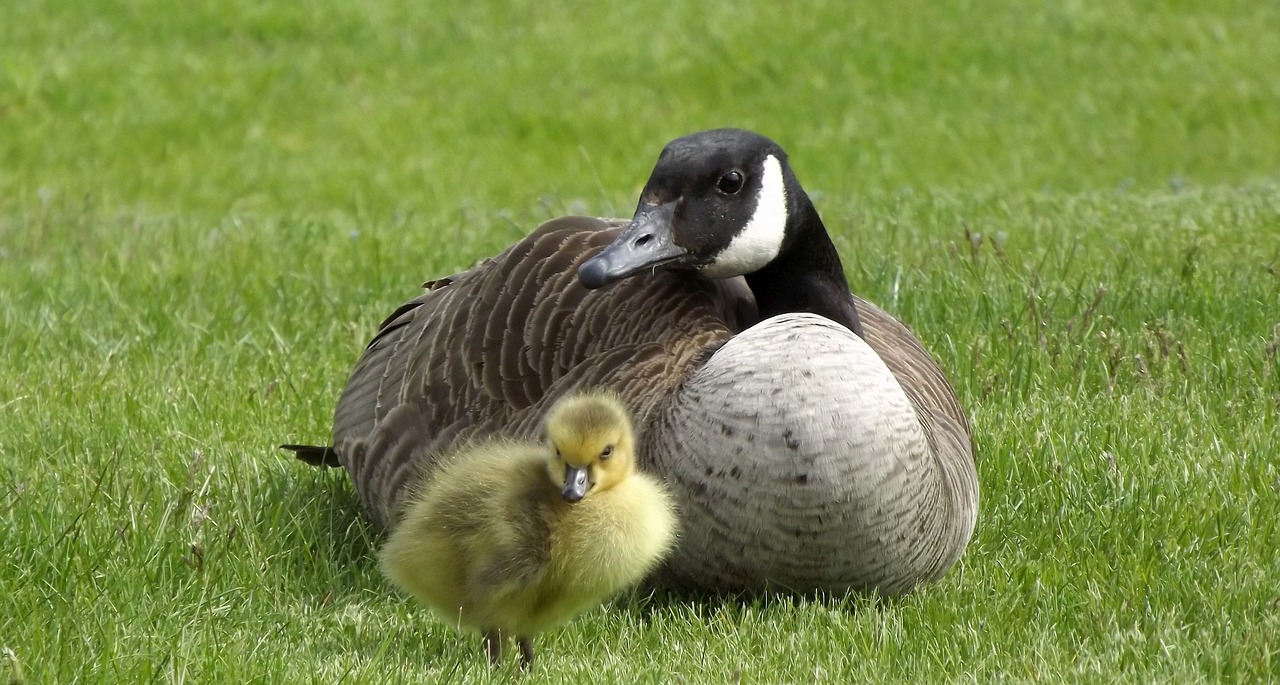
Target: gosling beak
<point x="645" y="242"/>
<point x="575" y="484"/>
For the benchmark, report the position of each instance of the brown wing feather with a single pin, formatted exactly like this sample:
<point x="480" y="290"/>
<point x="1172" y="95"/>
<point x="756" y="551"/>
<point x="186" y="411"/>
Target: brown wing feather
<point x="484" y="351"/>
<point x="920" y="376"/>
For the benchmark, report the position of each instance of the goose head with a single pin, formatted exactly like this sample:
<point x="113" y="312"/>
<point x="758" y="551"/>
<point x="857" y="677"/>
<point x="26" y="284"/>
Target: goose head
<point x="591" y="445"/>
<point x="726" y="203"/>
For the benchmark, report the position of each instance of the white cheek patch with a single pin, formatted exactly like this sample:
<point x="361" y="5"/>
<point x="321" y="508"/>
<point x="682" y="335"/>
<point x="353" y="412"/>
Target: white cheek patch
<point x="761" y="239"/>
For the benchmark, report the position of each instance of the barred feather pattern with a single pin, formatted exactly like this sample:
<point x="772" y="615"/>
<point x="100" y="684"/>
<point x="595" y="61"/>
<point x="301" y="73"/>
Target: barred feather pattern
<point x="483" y="353"/>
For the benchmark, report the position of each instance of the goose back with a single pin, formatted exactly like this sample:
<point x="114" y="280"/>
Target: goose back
<point x="486" y="351"/>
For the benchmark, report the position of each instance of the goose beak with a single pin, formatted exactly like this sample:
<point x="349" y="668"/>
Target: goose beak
<point x="645" y="243"/>
<point x="575" y="484"/>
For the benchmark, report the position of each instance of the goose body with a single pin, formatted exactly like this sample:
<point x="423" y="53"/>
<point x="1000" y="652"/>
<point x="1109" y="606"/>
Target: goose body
<point x="515" y="537"/>
<point x="810" y="441"/>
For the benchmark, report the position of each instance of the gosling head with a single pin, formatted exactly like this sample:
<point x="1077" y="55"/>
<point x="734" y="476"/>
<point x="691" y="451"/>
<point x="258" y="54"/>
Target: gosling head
<point x="591" y="444"/>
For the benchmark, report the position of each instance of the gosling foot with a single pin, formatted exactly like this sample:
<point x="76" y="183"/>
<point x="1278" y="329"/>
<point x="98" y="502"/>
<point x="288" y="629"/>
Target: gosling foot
<point x="526" y="652"/>
<point x="493" y="646"/>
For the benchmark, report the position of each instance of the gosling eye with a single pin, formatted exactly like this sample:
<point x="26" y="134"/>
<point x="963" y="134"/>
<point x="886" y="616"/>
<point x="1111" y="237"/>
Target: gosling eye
<point x="730" y="183"/>
<point x="607" y="452"/>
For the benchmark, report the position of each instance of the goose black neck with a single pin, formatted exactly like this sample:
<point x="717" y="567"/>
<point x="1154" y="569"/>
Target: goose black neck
<point x="807" y="276"/>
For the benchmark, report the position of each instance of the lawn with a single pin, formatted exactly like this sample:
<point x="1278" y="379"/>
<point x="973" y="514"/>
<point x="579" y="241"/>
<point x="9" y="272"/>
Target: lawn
<point x="206" y="210"/>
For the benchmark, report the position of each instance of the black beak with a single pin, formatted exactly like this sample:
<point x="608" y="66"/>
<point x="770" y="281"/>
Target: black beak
<point x="575" y="484"/>
<point x="645" y="242"/>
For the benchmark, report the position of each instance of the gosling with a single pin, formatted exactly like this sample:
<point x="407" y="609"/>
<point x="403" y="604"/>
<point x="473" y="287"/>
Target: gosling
<point x="513" y="538"/>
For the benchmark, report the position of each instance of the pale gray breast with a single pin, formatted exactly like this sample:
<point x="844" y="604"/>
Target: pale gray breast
<point x="800" y="463"/>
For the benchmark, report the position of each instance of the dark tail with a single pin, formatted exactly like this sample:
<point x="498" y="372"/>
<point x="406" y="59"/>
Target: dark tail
<point x="314" y="455"/>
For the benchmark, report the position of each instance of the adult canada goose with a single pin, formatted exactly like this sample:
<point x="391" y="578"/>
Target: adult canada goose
<point x="512" y="538"/>
<point x="811" y="443"/>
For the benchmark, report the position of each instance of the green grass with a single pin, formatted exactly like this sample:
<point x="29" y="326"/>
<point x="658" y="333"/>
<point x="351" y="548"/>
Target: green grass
<point x="204" y="212"/>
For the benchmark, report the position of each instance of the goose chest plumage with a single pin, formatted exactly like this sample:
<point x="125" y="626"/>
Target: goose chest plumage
<point x="809" y="440"/>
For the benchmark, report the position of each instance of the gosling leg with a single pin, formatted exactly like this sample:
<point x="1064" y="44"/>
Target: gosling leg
<point x="526" y="651"/>
<point x="493" y="645"/>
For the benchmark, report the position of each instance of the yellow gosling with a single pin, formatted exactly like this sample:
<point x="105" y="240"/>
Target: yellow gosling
<point x="512" y="538"/>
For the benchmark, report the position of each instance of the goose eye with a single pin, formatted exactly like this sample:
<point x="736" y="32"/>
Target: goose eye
<point x="608" y="451"/>
<point x="730" y="183"/>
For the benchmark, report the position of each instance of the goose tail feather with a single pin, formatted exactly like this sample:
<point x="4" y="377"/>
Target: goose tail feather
<point x="315" y="455"/>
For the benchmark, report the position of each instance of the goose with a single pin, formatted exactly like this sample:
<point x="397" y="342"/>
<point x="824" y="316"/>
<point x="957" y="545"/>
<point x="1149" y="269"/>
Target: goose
<point x="810" y="441"/>
<point x="513" y="538"/>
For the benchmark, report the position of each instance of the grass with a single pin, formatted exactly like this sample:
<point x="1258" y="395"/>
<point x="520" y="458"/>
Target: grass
<point x="203" y="214"/>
